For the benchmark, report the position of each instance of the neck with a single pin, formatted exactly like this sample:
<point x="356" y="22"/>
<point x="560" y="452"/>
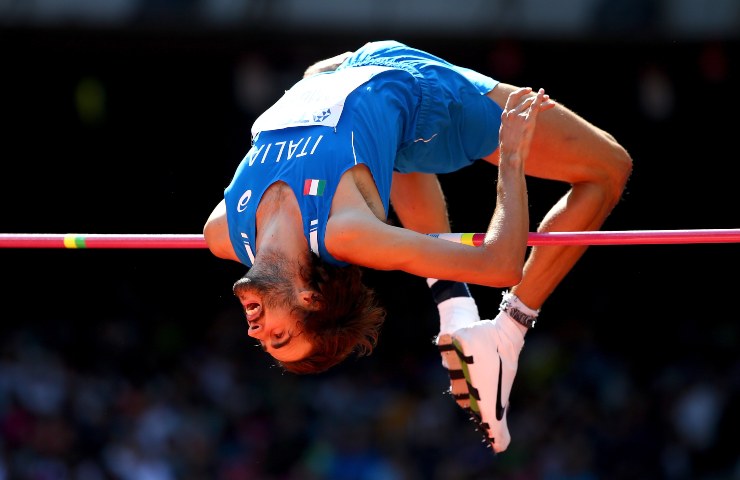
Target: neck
<point x="280" y="225"/>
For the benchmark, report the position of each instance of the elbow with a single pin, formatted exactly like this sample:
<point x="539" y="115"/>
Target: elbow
<point x="503" y="276"/>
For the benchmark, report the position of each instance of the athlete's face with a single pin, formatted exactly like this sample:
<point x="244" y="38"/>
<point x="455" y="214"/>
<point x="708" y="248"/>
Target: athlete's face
<point x="270" y="295"/>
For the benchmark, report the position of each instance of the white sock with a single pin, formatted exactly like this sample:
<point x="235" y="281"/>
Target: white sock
<point x="455" y="305"/>
<point x="514" y="301"/>
<point x="517" y="303"/>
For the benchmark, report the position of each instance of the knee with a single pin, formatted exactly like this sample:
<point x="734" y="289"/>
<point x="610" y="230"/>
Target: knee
<point x="615" y="172"/>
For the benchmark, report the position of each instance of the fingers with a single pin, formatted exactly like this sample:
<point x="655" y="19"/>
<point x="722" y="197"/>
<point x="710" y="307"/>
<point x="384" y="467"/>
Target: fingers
<point x="542" y="101"/>
<point x="518" y="120"/>
<point x="521" y="102"/>
<point x="516" y="96"/>
<point x="532" y="105"/>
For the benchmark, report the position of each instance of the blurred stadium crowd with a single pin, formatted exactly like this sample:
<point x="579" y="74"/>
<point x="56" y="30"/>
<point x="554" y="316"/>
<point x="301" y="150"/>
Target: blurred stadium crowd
<point x="212" y="409"/>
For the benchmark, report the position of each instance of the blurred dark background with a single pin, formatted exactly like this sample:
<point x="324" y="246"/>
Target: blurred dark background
<point x="123" y="116"/>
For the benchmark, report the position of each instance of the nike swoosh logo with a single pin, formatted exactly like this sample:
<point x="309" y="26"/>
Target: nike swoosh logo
<point x="499" y="408"/>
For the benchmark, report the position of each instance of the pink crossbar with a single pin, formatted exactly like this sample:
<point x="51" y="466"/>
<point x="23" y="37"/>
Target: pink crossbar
<point x="195" y="241"/>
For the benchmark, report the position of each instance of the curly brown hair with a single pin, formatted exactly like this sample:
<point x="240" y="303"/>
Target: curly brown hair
<point x="348" y="321"/>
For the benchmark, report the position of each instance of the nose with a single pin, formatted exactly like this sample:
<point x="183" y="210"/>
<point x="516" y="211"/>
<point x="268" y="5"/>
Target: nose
<point x="254" y="330"/>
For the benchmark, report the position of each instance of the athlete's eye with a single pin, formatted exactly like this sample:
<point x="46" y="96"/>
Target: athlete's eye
<point x="278" y="335"/>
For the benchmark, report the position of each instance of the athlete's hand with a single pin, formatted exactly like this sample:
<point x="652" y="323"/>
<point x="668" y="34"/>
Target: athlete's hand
<point x="518" y="121"/>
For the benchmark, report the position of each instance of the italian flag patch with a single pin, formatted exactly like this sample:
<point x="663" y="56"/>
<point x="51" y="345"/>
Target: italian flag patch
<point x="314" y="187"/>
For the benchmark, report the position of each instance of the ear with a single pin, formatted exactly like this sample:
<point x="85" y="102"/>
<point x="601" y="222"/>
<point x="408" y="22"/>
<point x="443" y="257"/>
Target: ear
<point x="311" y="300"/>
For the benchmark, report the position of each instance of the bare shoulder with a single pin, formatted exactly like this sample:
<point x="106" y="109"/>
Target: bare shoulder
<point x="216" y="233"/>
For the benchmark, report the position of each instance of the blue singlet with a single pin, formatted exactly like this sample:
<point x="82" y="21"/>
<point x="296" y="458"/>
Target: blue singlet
<point x="418" y="113"/>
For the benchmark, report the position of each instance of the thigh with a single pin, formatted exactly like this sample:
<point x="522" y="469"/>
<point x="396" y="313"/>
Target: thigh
<point x="565" y="146"/>
<point x="419" y="203"/>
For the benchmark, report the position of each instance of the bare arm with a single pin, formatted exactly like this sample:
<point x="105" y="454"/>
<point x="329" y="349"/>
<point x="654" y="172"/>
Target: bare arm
<point x="499" y="262"/>
<point x="326" y="65"/>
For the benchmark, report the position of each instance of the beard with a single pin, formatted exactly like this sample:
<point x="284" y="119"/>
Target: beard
<point x="273" y="279"/>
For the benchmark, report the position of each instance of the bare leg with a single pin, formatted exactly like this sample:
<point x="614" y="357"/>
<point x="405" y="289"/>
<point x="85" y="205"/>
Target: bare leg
<point x="567" y="148"/>
<point x="482" y="355"/>
<point x="420" y="205"/>
<point x="418" y="201"/>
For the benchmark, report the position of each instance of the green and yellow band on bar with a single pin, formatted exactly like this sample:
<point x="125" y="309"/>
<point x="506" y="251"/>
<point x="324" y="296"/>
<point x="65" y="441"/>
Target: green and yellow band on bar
<point x="74" y="241"/>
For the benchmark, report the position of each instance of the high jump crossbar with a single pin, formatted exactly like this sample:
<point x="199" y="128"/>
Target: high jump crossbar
<point x="196" y="241"/>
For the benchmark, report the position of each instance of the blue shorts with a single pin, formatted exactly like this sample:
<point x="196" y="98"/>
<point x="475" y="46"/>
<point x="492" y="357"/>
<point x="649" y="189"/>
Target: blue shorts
<point x="456" y="123"/>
